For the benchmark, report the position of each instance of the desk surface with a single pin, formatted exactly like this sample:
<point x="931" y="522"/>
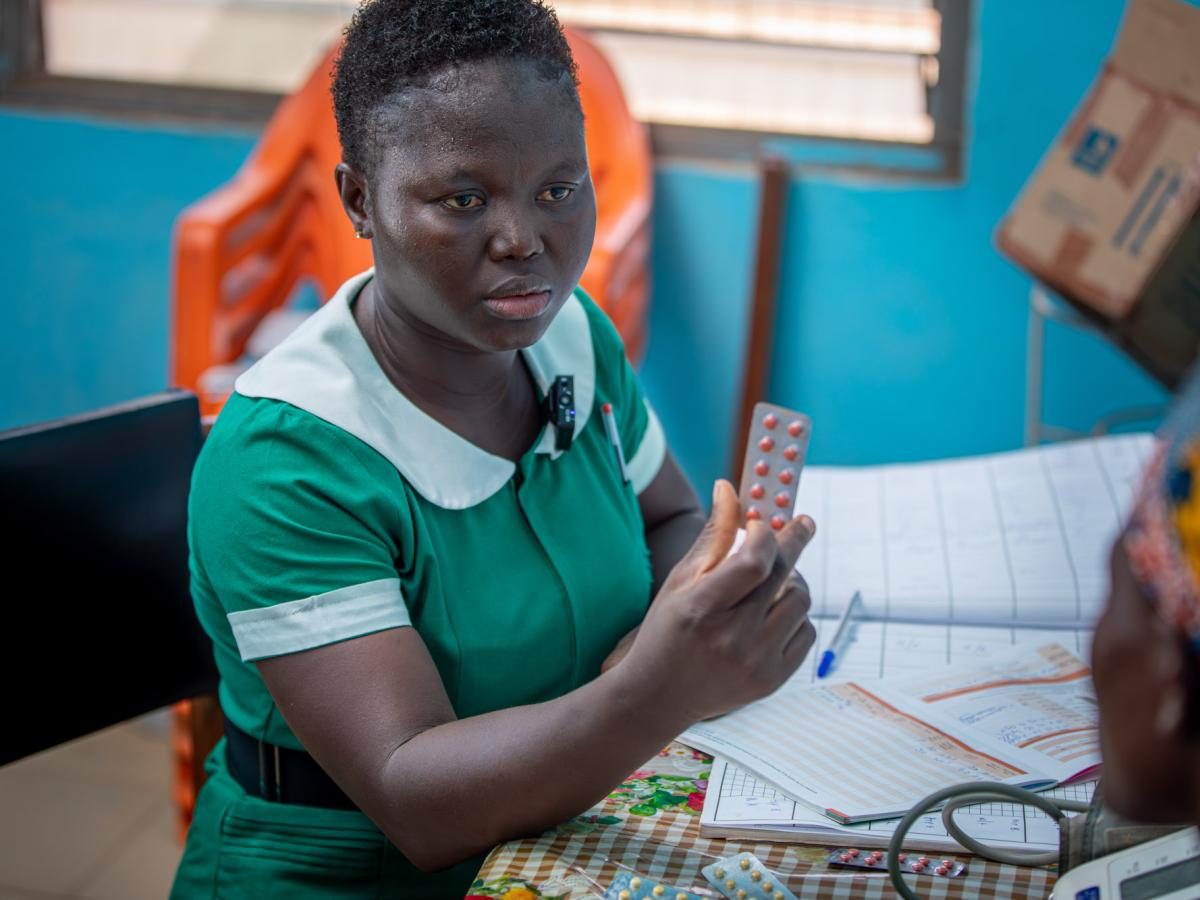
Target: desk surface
<point x="652" y="823"/>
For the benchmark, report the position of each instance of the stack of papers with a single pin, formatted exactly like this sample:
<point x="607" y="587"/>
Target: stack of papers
<point x="981" y="581"/>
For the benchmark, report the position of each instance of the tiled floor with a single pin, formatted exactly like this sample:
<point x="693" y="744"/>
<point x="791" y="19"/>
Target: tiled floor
<point x="91" y="820"/>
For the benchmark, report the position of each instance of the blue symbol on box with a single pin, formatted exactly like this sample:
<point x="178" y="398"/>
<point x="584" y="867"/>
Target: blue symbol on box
<point x="1096" y="150"/>
<point x="1092" y="893"/>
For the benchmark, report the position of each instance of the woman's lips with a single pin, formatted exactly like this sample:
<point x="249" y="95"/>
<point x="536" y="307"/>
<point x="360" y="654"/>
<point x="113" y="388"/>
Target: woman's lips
<point x="519" y="306"/>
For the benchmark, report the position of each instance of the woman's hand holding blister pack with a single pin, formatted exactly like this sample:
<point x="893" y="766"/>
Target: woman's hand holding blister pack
<point x="726" y="628"/>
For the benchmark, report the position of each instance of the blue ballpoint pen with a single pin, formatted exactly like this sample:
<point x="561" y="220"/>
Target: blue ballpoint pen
<point x="831" y="648"/>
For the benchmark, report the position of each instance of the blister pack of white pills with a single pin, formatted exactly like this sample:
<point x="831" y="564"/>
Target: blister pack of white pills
<point x="744" y="877"/>
<point x="634" y="886"/>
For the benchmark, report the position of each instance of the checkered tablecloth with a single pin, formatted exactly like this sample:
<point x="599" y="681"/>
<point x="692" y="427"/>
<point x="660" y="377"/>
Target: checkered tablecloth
<point x="651" y="824"/>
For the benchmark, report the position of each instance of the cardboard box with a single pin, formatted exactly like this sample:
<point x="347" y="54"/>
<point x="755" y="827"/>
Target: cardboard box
<point x="1111" y="218"/>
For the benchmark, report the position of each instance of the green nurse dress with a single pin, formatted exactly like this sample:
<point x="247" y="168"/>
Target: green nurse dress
<point x="326" y="506"/>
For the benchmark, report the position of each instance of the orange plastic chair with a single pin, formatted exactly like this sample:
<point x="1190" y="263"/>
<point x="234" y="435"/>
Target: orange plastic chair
<point x="241" y="251"/>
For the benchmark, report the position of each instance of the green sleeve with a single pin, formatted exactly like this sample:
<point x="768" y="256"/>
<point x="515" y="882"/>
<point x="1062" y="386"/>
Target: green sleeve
<point x="298" y="528"/>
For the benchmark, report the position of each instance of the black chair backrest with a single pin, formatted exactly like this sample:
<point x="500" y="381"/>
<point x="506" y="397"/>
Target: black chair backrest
<point x="97" y="619"/>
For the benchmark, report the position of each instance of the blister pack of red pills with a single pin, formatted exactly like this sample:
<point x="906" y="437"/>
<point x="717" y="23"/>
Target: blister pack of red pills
<point x="775" y="451"/>
<point x="853" y="858"/>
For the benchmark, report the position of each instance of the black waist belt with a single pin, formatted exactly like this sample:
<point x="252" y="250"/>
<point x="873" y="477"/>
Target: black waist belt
<point x="279" y="773"/>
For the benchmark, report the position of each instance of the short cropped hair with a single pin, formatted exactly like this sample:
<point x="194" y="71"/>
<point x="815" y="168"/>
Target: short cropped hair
<point x="394" y="44"/>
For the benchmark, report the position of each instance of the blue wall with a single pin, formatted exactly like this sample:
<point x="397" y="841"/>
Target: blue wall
<point x="87" y="214"/>
<point x="901" y="330"/>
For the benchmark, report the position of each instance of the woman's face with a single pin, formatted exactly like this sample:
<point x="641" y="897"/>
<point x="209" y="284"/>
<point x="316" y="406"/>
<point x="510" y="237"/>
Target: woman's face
<point x="480" y="206"/>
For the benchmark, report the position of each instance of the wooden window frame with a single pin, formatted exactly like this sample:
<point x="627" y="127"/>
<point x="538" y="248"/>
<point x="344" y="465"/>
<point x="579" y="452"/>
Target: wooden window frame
<point x="24" y="83"/>
<point x="939" y="160"/>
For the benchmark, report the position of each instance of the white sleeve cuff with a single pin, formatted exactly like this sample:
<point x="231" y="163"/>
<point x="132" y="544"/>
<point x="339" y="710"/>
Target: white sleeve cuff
<point x="651" y="452"/>
<point x="339" y="615"/>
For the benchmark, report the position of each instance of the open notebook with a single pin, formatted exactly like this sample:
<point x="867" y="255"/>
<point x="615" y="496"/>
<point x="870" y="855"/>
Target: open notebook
<point x="857" y="751"/>
<point x="738" y="805"/>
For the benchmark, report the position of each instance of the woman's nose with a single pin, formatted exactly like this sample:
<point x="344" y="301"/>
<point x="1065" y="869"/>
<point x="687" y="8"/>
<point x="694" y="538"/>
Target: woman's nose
<point x="515" y="236"/>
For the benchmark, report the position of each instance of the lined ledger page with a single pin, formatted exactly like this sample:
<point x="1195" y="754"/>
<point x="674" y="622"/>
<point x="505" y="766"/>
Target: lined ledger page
<point x="1009" y="538"/>
<point x="891" y="650"/>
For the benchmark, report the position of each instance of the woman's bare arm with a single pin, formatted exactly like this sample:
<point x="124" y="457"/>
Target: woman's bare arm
<point x="672" y="516"/>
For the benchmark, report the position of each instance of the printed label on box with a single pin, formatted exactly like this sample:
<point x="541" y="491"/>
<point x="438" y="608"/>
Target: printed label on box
<point x="1096" y="150"/>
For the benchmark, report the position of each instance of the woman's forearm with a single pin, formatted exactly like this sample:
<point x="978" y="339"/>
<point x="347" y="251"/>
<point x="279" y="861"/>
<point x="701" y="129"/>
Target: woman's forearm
<point x="460" y="788"/>
<point x="673" y="518"/>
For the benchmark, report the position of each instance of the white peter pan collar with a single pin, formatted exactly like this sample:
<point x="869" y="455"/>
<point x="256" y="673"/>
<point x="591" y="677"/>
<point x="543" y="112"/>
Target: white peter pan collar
<point x="326" y="368"/>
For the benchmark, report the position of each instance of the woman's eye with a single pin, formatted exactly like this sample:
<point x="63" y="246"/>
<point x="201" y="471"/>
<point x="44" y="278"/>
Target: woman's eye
<point x="463" y="201"/>
<point x="556" y="193"/>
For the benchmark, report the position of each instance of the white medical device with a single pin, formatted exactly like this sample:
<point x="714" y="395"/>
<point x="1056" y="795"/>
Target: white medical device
<point x="1167" y="868"/>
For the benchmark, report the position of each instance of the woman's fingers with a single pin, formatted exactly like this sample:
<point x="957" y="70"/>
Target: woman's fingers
<point x="794" y="537"/>
<point x="787" y="615"/>
<point x="766" y="560"/>
<point x="799" y="644"/>
<point x="721" y="529"/>
<point x="792" y="602"/>
<point x="717" y="579"/>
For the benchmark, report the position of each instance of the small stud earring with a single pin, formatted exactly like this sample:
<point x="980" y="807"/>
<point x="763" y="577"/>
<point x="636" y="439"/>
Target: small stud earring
<point x="358" y="233"/>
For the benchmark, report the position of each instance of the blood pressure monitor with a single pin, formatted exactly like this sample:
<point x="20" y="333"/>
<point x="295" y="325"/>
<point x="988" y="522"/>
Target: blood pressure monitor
<point x="1167" y="868"/>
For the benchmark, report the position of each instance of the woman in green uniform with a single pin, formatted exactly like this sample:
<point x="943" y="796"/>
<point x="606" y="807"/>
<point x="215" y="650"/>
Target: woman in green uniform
<point x="431" y="607"/>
